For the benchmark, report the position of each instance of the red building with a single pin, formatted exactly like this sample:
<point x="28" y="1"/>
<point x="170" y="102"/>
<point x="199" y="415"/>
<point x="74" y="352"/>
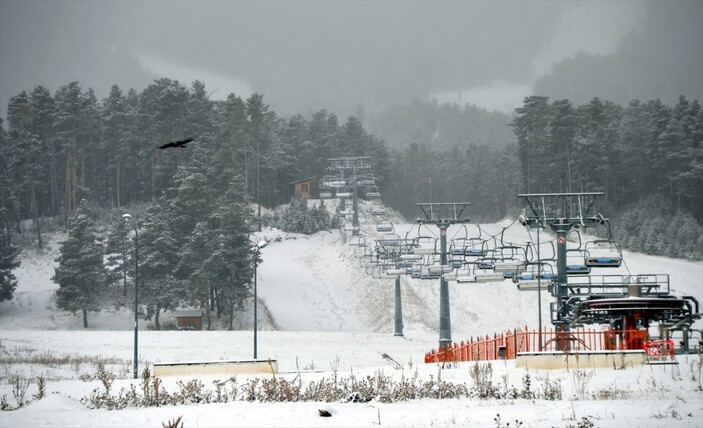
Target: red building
<point x="305" y="188"/>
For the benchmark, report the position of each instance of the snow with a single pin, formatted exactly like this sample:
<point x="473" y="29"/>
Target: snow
<point x="321" y="312"/>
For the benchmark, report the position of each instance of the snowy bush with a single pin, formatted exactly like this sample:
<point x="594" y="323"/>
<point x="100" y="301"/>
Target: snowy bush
<point x="298" y="217"/>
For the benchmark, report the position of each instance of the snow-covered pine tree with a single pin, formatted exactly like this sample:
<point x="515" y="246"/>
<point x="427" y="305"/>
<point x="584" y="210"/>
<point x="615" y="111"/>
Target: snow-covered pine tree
<point x="159" y="289"/>
<point x="118" y="250"/>
<point x="8" y="260"/>
<point x="80" y="273"/>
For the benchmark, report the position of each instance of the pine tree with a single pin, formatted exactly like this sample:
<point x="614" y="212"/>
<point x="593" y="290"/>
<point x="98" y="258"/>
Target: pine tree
<point x="118" y="251"/>
<point x="80" y="273"/>
<point x="159" y="289"/>
<point x="8" y="260"/>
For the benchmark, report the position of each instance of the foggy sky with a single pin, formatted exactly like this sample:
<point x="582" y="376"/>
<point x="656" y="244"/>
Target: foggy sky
<point x="305" y="56"/>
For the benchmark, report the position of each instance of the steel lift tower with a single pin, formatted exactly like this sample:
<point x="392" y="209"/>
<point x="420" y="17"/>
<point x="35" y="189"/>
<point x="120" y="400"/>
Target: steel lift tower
<point x="443" y="215"/>
<point x="561" y="212"/>
<point x="350" y="173"/>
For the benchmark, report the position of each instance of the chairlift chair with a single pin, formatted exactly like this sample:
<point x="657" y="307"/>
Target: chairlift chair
<point x="475" y="247"/>
<point x="483" y="275"/>
<point x="415" y="271"/>
<point x="439" y="270"/>
<point x="575" y="262"/>
<point x="425" y="245"/>
<point x="384" y="227"/>
<point x="376" y="210"/>
<point x="602" y="253"/>
<point x="534" y="275"/>
<point x="464" y="274"/>
<point x="357" y="240"/>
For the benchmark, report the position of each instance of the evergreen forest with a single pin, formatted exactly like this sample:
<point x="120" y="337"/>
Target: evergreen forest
<point x="71" y="161"/>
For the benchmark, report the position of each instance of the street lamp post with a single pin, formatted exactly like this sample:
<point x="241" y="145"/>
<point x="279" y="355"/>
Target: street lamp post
<point x="128" y="218"/>
<point x="259" y="247"/>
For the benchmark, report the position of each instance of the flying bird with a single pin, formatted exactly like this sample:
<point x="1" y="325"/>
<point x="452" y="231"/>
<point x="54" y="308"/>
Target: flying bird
<point x="180" y="144"/>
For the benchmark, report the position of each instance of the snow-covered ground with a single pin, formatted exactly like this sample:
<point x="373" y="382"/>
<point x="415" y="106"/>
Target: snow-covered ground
<point x="321" y="311"/>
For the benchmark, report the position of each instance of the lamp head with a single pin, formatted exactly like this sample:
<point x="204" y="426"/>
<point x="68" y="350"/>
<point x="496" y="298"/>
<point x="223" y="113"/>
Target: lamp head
<point x="127" y="216"/>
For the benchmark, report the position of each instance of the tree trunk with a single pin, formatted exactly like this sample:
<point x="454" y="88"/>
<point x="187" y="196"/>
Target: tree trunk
<point x="85" y="318"/>
<point x="118" y="186"/>
<point x="157" y="312"/>
<point x="35" y="212"/>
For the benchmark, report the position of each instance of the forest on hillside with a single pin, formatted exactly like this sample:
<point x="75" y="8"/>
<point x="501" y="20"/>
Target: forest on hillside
<point x="642" y="155"/>
<point x="71" y="161"/>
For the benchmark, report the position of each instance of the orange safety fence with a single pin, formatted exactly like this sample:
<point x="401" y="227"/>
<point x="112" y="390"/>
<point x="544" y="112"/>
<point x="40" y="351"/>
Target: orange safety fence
<point x="507" y="345"/>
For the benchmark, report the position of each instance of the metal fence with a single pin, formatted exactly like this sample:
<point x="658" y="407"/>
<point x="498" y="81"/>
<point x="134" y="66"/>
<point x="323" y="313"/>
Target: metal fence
<point x="506" y="345"/>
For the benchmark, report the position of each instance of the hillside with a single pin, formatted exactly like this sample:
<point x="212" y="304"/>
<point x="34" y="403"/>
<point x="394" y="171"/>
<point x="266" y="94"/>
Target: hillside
<point x="316" y="283"/>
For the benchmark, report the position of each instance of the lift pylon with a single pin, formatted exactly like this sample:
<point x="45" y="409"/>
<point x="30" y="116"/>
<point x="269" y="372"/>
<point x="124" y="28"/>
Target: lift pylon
<point x="561" y="212"/>
<point x="442" y="215"/>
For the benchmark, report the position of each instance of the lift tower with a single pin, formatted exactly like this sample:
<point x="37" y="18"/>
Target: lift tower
<point x="561" y="212"/>
<point x="443" y="215"/>
<point x="350" y="173"/>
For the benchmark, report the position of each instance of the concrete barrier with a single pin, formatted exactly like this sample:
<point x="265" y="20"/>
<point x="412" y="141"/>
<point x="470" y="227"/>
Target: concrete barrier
<point x="580" y="359"/>
<point x="222" y="368"/>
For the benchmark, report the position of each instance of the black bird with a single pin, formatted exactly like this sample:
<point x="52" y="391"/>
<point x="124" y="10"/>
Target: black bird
<point x="180" y="144"/>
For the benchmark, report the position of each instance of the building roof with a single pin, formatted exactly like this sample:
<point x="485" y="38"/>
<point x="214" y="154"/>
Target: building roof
<point x="303" y="180"/>
<point x="193" y="313"/>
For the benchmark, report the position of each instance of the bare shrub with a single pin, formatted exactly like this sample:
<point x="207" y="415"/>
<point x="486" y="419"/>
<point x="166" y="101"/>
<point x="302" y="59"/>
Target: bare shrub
<point x="482" y="376"/>
<point x="41" y="387"/>
<point x="19" y="389"/>
<point x="581" y="381"/>
<point x="173" y="423"/>
<point x="499" y="423"/>
<point x="551" y="390"/>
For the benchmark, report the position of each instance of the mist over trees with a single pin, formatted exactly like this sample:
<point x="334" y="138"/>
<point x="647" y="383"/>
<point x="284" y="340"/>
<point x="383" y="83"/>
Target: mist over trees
<point x="442" y="126"/>
<point x="661" y="60"/>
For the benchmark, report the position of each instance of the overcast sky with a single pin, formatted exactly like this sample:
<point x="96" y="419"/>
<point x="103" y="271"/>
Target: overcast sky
<point x="304" y="56"/>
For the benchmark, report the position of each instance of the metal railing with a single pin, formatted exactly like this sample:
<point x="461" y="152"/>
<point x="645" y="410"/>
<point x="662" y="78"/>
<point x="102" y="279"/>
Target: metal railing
<point x="507" y="345"/>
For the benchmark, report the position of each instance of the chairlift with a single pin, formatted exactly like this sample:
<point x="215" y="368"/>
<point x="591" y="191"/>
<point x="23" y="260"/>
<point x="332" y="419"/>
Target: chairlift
<point x="575" y="262"/>
<point x="378" y="211"/>
<point x="439" y="269"/>
<point x="426" y="274"/>
<point x="536" y="274"/>
<point x="384" y="227"/>
<point x="508" y="258"/>
<point x="342" y="195"/>
<point x="405" y="264"/>
<point x="415" y="271"/>
<point x="362" y="250"/>
<point x="548" y="254"/>
<point x="465" y="274"/>
<point x="391" y="239"/>
<point x="486" y="263"/>
<point x="424" y="245"/>
<point x="488" y="276"/>
<point x="373" y="194"/>
<point x="357" y="240"/>
<point x="602" y="253"/>
<point x="325" y="195"/>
